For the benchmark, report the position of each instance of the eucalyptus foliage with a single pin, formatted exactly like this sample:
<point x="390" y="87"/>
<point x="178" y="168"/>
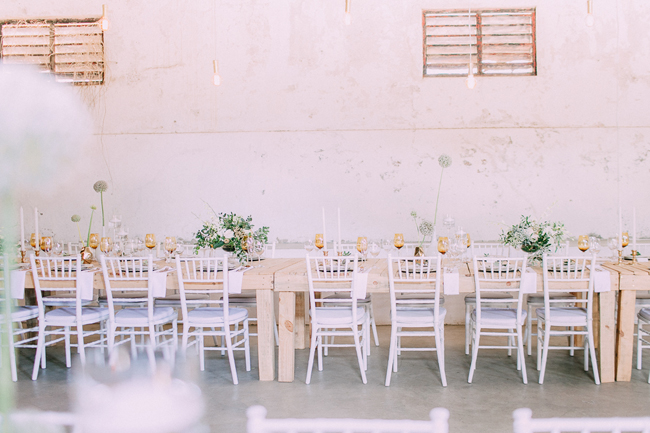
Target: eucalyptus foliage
<point x="229" y="231"/>
<point x="534" y="237"/>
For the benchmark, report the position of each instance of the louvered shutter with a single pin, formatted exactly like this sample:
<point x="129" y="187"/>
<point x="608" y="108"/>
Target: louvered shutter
<point x="26" y="44"/>
<point x="79" y="53"/>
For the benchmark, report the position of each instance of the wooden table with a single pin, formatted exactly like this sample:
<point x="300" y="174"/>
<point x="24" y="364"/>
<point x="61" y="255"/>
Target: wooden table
<point x="261" y="279"/>
<point x="292" y="285"/>
<point x="632" y="278"/>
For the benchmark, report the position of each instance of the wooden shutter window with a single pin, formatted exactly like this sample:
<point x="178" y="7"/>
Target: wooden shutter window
<point x="26" y="44"/>
<point x="500" y="42"/>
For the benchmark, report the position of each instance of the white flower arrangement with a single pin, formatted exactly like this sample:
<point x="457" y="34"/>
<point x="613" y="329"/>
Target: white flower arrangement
<point x="424" y="227"/>
<point x="533" y="237"/>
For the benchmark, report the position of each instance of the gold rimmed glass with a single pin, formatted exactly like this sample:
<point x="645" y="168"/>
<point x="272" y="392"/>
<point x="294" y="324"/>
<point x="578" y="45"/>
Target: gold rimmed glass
<point x="170" y="247"/>
<point x="443" y="244"/>
<point x="93" y="242"/>
<point x="150" y="241"/>
<point x="106" y="245"/>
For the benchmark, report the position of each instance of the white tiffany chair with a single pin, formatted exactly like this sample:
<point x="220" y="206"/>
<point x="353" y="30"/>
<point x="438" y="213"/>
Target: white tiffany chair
<point x="642" y="299"/>
<point x="524" y="423"/>
<point x="64" y="275"/>
<point x="258" y="423"/>
<point x="144" y="319"/>
<point x="494" y="275"/>
<point x="415" y="284"/>
<point x="210" y="276"/>
<point x="483" y="249"/>
<point x="18" y="316"/>
<point x="336" y="316"/>
<point x="566" y="275"/>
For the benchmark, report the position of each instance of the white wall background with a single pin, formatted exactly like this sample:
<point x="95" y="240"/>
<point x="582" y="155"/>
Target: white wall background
<point x="314" y="113"/>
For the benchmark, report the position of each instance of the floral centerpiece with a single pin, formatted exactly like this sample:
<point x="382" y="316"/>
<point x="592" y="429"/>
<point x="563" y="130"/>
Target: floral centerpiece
<point x="424" y="228"/>
<point x="534" y="237"/>
<point x="230" y="232"/>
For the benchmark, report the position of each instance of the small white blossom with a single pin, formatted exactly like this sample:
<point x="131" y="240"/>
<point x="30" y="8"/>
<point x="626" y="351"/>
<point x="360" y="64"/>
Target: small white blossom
<point x="444" y="160"/>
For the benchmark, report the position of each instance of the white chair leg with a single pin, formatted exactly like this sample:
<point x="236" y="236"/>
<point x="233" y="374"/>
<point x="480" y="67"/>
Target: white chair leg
<point x="592" y="351"/>
<point x="321" y="341"/>
<point x="440" y="352"/>
<point x="520" y="354"/>
<point x="231" y="356"/>
<point x="357" y="345"/>
<point x="40" y="347"/>
<point x="639" y="350"/>
<point x="12" y="356"/>
<point x="81" y="348"/>
<point x="374" y="326"/>
<point x="312" y="350"/>
<point x="475" y="343"/>
<point x="511" y="342"/>
<point x="467" y="328"/>
<point x="572" y="341"/>
<point x="247" y="350"/>
<point x="529" y="330"/>
<point x="391" y="354"/>
<point x="68" y="361"/>
<point x="585" y="351"/>
<point x="547" y="337"/>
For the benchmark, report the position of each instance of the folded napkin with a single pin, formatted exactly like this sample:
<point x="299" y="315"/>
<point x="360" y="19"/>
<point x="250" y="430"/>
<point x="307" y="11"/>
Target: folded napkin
<point x="360" y="283"/>
<point x="235" y="280"/>
<point x="86" y="284"/>
<point x="159" y="282"/>
<point x="602" y="280"/>
<point x="529" y="281"/>
<point x="451" y="282"/>
<point x="18" y="284"/>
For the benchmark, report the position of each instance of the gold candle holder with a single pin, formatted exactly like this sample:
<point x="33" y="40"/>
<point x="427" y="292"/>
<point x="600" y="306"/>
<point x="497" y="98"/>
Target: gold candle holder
<point x="620" y="257"/>
<point x="634" y="261"/>
<point x="23" y="259"/>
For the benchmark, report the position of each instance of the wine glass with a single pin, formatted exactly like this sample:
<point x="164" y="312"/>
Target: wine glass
<point x="398" y="241"/>
<point x="170" y="247"/>
<point x="32" y="240"/>
<point x="583" y="243"/>
<point x="309" y="245"/>
<point x="57" y="249"/>
<point x="625" y="239"/>
<point x="46" y="244"/>
<point x="594" y="245"/>
<point x="374" y="249"/>
<point x="258" y="249"/>
<point x="386" y="245"/>
<point x="93" y="242"/>
<point x="319" y="241"/>
<point x="362" y="246"/>
<point x="180" y="247"/>
<point x="106" y="245"/>
<point x="612" y="244"/>
<point x="443" y="244"/>
<point x="449" y="222"/>
<point x="150" y="241"/>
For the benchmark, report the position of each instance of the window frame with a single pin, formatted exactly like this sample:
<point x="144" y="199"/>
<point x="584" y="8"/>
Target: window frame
<point x="99" y="65"/>
<point x="476" y="30"/>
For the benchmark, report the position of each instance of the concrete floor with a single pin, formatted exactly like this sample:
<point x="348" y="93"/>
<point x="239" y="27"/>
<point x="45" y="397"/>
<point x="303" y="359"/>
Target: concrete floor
<point x="483" y="406"/>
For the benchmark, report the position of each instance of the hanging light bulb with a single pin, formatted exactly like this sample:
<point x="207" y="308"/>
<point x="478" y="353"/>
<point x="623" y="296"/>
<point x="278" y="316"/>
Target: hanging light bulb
<point x="103" y="21"/>
<point x="216" y="79"/>
<point x="348" y="15"/>
<point x="590" y="13"/>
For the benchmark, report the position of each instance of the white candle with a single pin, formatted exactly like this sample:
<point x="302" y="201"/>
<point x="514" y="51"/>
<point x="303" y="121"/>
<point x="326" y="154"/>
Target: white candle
<point x="38" y="238"/>
<point x="634" y="228"/>
<point x="324" y="232"/>
<point x="22" y="229"/>
<point x="339" y="224"/>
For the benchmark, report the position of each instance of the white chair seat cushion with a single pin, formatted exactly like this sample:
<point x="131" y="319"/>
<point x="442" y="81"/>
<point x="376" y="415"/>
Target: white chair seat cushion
<point x="423" y="316"/>
<point x="338" y="315"/>
<point x="565" y="316"/>
<point x="20" y="314"/>
<point x="417" y="297"/>
<point x="365" y="300"/>
<point x="139" y="317"/>
<point x="214" y="315"/>
<point x="67" y="316"/>
<point x="499" y="317"/>
<point x="63" y="300"/>
<point x="539" y="299"/>
<point x="644" y="314"/>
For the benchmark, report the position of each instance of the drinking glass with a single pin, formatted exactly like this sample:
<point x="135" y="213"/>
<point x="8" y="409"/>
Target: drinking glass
<point x="258" y="249"/>
<point x="309" y="245"/>
<point x="583" y="243"/>
<point x="180" y="247"/>
<point x="374" y="249"/>
<point x="318" y="241"/>
<point x="57" y="248"/>
<point x="150" y="241"/>
<point x="94" y="240"/>
<point x="32" y="240"/>
<point x="443" y="244"/>
<point x="398" y="241"/>
<point x="386" y="245"/>
<point x="612" y="244"/>
<point x="170" y="247"/>
<point x="594" y="245"/>
<point x="625" y="239"/>
<point x="362" y="246"/>
<point x="106" y="245"/>
<point x="46" y="244"/>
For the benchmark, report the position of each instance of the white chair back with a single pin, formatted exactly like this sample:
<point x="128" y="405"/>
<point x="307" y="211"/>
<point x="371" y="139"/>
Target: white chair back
<point x="128" y="275"/>
<point x="329" y="276"/>
<point x="413" y="280"/>
<point x="59" y="274"/>
<point x="489" y="249"/>
<point x="561" y="273"/>
<point x="258" y="423"/>
<point x="203" y="276"/>
<point x="498" y="274"/>
<point x="524" y="423"/>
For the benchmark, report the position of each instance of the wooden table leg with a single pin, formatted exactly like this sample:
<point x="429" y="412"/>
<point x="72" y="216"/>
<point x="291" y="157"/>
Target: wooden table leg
<point x="299" y="332"/>
<point x="265" y="338"/>
<point x="286" y="320"/>
<point x="607" y="336"/>
<point x="625" y="335"/>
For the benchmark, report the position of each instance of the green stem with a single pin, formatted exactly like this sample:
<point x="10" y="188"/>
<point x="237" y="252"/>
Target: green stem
<point x="435" y="216"/>
<point x="90" y="226"/>
<point x="79" y="230"/>
<point x="101" y="196"/>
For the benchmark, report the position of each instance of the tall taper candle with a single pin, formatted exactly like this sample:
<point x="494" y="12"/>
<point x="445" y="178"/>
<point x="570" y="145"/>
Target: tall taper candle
<point x="634" y="228"/>
<point x="22" y="229"/>
<point x="339" y="225"/>
<point x="38" y="238"/>
<point x="324" y="232"/>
